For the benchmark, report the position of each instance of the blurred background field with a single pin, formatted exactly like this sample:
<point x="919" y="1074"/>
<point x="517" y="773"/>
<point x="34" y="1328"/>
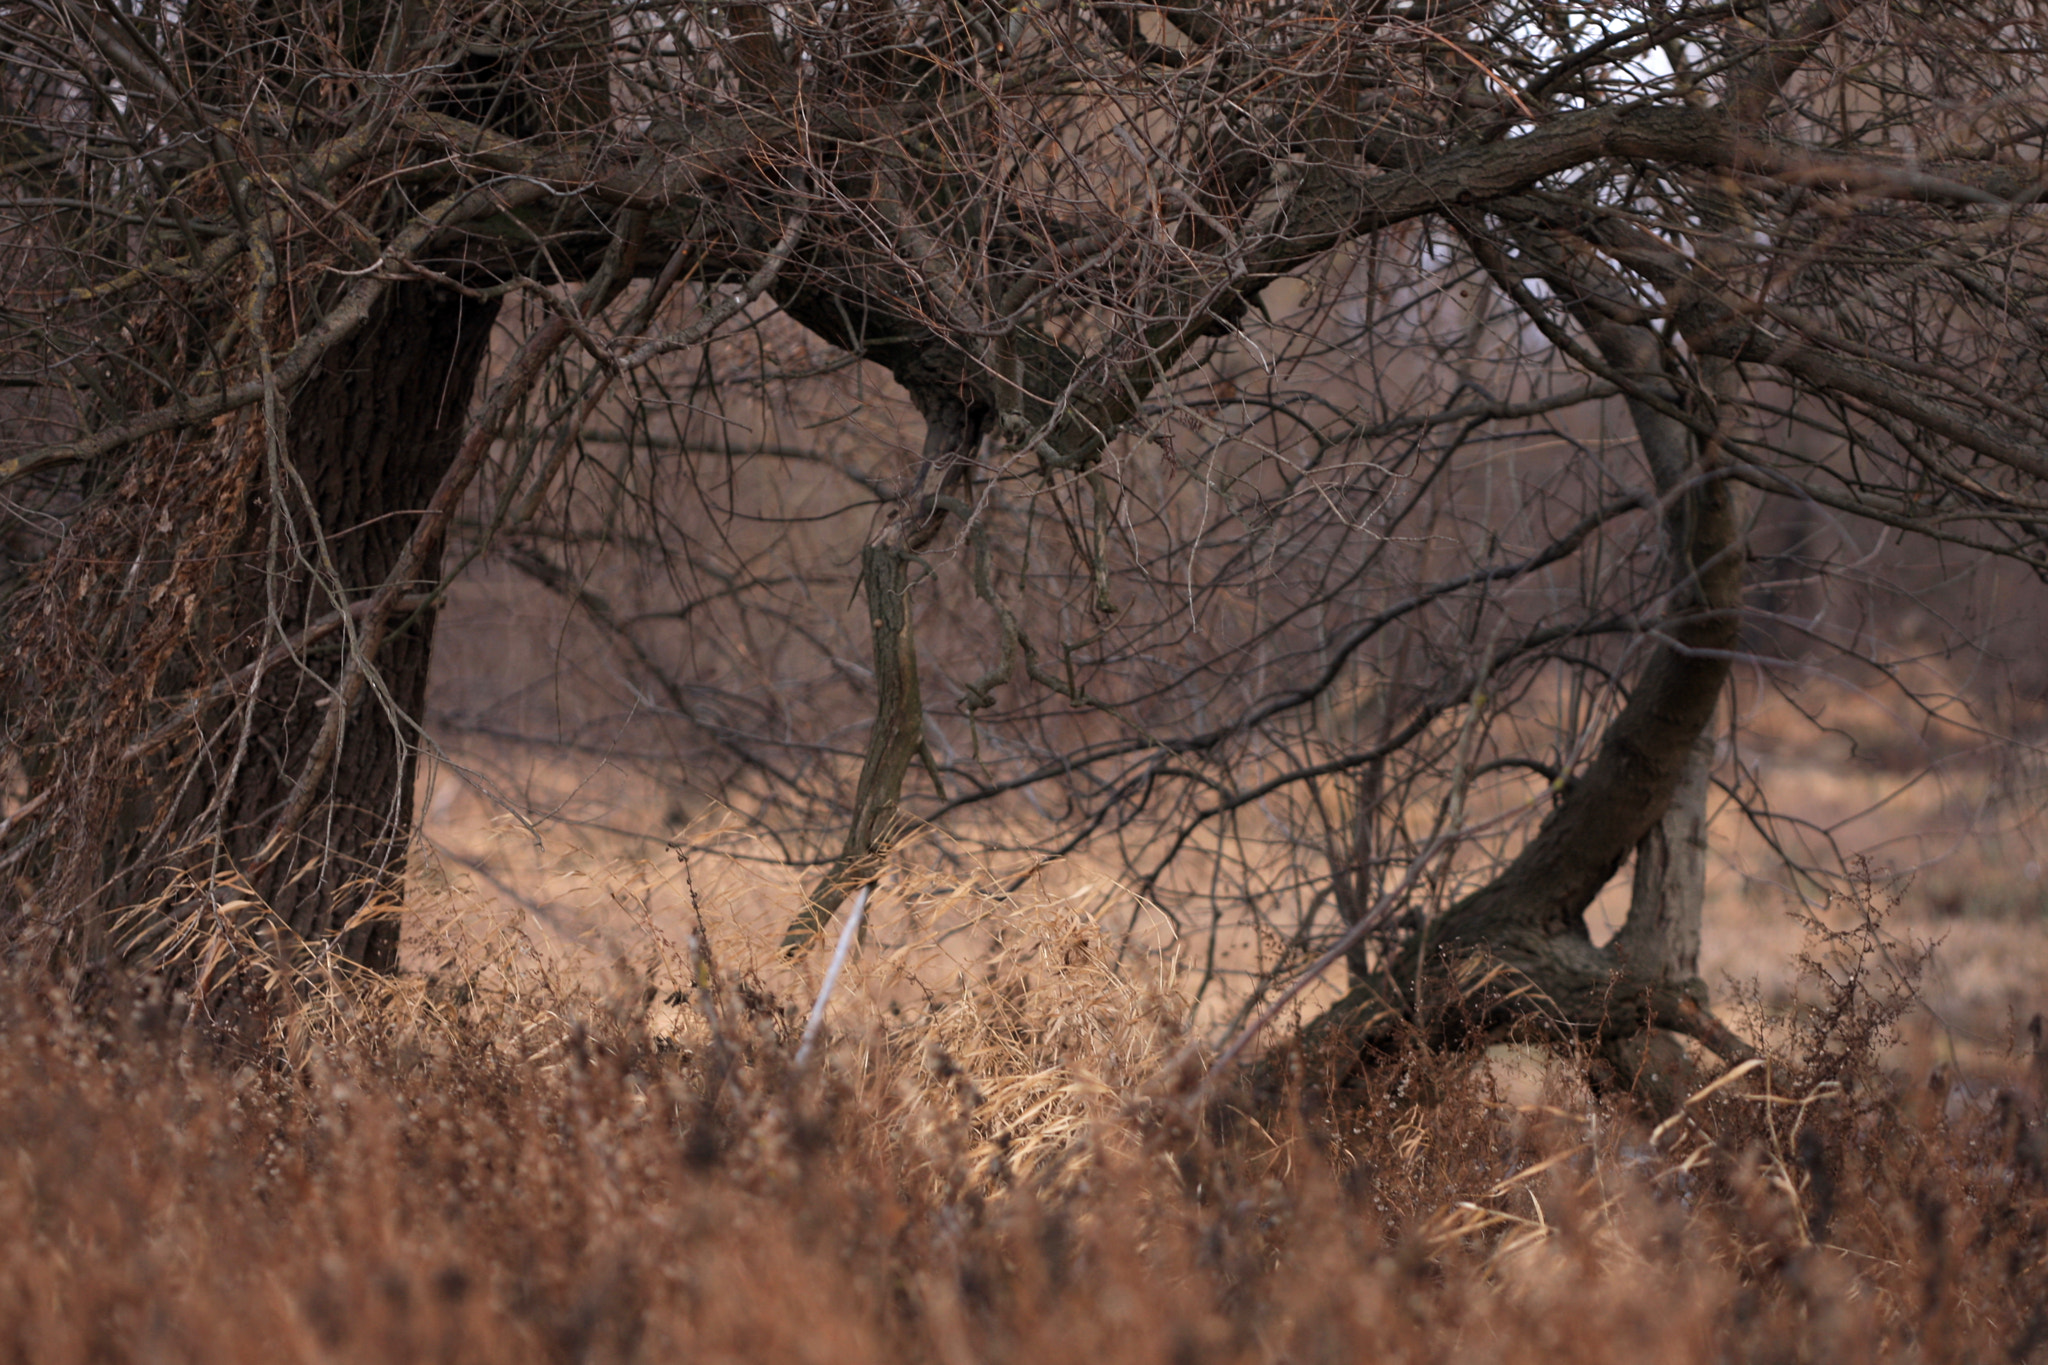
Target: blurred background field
<point x="596" y="846"/>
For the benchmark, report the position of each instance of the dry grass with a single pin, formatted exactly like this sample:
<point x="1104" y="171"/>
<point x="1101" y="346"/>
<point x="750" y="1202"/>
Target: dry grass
<point x="523" y="1156"/>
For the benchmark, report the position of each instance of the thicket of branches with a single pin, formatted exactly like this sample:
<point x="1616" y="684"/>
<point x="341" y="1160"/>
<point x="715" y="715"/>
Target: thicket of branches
<point x="1304" y="453"/>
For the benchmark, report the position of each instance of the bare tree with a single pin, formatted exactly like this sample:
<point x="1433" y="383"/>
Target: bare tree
<point x="1204" y="568"/>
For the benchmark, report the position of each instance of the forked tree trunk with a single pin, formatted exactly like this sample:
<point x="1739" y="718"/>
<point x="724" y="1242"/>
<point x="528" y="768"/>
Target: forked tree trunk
<point x="154" y="817"/>
<point x="1518" y="948"/>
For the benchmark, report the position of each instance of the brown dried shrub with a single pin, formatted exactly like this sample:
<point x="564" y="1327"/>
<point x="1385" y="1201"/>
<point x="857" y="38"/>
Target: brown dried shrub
<point x="521" y="1164"/>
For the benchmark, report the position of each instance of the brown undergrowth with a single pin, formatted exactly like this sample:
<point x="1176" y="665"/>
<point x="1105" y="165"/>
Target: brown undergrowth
<point x="503" y="1161"/>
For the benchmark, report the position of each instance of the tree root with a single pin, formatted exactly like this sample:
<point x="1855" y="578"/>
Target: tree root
<point x="1560" y="991"/>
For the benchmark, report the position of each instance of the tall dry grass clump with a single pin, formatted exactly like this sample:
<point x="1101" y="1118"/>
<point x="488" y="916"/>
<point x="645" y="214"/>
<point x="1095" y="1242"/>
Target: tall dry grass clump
<point x="513" y="1163"/>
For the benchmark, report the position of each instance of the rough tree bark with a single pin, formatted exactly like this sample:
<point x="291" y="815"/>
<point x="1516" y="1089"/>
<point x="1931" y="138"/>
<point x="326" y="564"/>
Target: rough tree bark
<point x="372" y="434"/>
<point x="317" y="524"/>
<point x="228" y="727"/>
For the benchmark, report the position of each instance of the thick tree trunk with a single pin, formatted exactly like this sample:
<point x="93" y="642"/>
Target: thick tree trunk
<point x="1660" y="940"/>
<point x="1519" y="947"/>
<point x="241" y="558"/>
<point x="372" y="434"/>
<point x="1661" y="937"/>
